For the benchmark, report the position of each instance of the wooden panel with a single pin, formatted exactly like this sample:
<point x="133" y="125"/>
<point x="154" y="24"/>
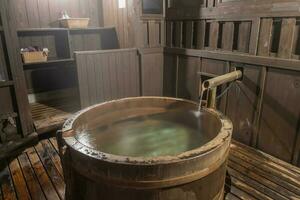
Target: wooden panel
<point x="154" y="34"/>
<point x="169" y="33"/>
<point x="213" y="35"/>
<point x="264" y="42"/>
<point x="188" y="78"/>
<point x="287" y="38"/>
<point x="152" y="74"/>
<point x="37" y="14"/>
<point x="227" y="38"/>
<point x="178" y="34"/>
<point x="200" y="34"/>
<point x="241" y="104"/>
<point x="188" y="34"/>
<point x="124" y="19"/>
<point x="280" y="114"/>
<point x="170" y="75"/>
<point x="107" y="75"/>
<point x="244" y="36"/>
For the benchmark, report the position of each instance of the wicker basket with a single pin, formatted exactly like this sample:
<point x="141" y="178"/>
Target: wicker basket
<point x="74" y="22"/>
<point x="32" y="57"/>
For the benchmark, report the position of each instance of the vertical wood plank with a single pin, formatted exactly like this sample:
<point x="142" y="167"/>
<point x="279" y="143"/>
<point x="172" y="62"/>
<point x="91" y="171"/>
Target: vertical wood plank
<point x="169" y="33"/>
<point x="154" y="34"/>
<point x="31" y="179"/>
<point x="280" y="114"/>
<point x="178" y="34"/>
<point x="55" y="178"/>
<point x="6" y="183"/>
<point x="41" y="174"/>
<point x="244" y="36"/>
<point x="188" y="79"/>
<point x="18" y="179"/>
<point x="188" y="40"/>
<point x="287" y="37"/>
<point x="227" y="38"/>
<point x="214" y="33"/>
<point x="170" y="71"/>
<point x="200" y="32"/>
<point x="145" y="34"/>
<point x="254" y="36"/>
<point x="264" y="41"/>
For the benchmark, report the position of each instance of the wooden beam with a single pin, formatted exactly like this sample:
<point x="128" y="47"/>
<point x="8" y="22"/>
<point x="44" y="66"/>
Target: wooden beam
<point x="278" y="63"/>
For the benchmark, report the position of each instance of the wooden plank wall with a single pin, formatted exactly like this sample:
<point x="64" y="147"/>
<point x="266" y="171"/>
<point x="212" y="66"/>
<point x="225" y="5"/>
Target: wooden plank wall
<point x="259" y="38"/>
<point x="134" y="29"/>
<point x="107" y="75"/>
<point x="41" y="14"/>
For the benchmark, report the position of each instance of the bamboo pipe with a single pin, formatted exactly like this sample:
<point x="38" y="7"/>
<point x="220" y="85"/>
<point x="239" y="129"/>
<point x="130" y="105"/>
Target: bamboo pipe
<point x="212" y="84"/>
<point x="220" y="80"/>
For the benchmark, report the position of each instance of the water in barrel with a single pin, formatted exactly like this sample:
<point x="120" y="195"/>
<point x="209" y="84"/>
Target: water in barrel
<point x="160" y="134"/>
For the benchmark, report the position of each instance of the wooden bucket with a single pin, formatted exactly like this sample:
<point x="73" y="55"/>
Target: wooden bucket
<point x="198" y="173"/>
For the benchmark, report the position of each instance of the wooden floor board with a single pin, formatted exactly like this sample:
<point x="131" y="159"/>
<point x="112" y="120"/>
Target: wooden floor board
<point x="53" y="173"/>
<point x="42" y="175"/>
<point x="37" y="174"/>
<point x="31" y="179"/>
<point x="7" y="186"/>
<point x="18" y="179"/>
<point x="50" y="115"/>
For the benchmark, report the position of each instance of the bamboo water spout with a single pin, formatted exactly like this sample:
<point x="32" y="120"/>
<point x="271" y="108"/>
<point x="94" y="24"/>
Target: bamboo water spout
<point x="212" y="84"/>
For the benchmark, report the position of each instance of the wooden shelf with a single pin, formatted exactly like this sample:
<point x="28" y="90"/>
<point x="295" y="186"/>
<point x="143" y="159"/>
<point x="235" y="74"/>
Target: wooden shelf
<point x="7" y="115"/>
<point x="90" y="29"/>
<point x="26" y="30"/>
<point x="6" y="83"/>
<point x="50" y="62"/>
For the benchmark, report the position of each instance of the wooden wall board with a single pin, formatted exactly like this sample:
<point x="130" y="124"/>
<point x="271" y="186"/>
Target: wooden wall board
<point x="200" y="34"/>
<point x="234" y="9"/>
<point x="152" y="74"/>
<point x="244" y="36"/>
<point x="227" y="38"/>
<point x="213" y="35"/>
<point x="188" y="78"/>
<point x="287" y="38"/>
<point x="170" y="75"/>
<point x="241" y="104"/>
<point x="188" y="34"/>
<point x="38" y="14"/>
<point x="178" y="34"/>
<point x="107" y="75"/>
<point x="280" y="114"/>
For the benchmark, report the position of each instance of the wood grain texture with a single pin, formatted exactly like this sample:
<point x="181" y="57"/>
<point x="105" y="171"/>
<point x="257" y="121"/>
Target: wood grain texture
<point x="107" y="75"/>
<point x="247" y="165"/>
<point x="188" y="78"/>
<point x="152" y="74"/>
<point x="287" y="38"/>
<point x="280" y="114"/>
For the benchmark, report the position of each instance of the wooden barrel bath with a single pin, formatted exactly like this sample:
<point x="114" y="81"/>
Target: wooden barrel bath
<point x="145" y="148"/>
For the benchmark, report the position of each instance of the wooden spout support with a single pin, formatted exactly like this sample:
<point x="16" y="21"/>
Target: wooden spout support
<point x="212" y="84"/>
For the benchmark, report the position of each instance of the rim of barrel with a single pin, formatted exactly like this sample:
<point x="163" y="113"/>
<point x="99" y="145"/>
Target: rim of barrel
<point x="68" y="135"/>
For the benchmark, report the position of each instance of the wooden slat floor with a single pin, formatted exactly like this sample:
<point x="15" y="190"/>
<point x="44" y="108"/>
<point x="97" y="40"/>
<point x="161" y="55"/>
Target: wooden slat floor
<point x="50" y="115"/>
<point x="37" y="174"/>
